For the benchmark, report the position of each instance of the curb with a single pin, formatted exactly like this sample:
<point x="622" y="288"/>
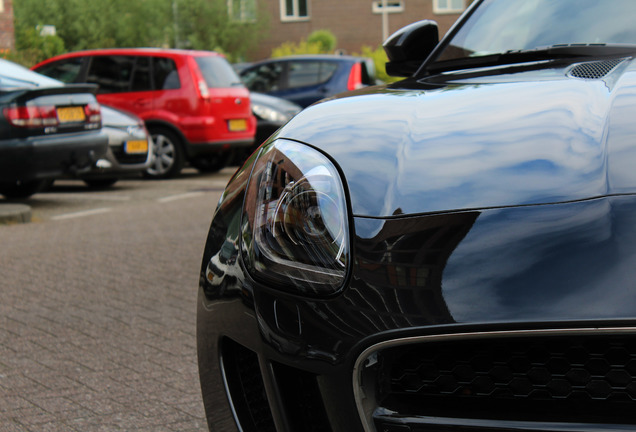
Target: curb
<point x="14" y="214"/>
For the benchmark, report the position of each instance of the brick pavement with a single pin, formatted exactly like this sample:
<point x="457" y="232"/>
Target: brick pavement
<point x="97" y="320"/>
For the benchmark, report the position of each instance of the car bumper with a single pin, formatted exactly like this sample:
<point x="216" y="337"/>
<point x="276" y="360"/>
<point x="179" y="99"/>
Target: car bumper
<point x="117" y="163"/>
<point x="50" y="156"/>
<point x="476" y="321"/>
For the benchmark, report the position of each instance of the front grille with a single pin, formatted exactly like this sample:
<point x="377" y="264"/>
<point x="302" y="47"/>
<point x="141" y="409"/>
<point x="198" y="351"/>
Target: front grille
<point x="594" y="70"/>
<point x="589" y="379"/>
<point x="246" y="387"/>
<point x="299" y="394"/>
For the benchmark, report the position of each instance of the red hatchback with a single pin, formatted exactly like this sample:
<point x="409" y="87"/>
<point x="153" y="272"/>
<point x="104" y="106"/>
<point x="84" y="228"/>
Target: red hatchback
<point x="192" y="102"/>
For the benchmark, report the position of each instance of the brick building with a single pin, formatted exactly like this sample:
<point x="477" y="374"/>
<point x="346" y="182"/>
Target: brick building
<point x="7" y="40"/>
<point x="355" y="23"/>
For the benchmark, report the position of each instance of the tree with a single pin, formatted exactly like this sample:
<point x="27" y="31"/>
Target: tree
<point x="196" y="24"/>
<point x="318" y="42"/>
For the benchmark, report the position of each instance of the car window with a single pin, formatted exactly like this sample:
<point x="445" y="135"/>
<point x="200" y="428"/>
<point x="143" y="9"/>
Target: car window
<point x="308" y="73"/>
<point x="499" y="26"/>
<point x="217" y="72"/>
<point x="64" y="70"/>
<point x="264" y="78"/>
<point x="141" y="79"/>
<point x="111" y="73"/>
<point x="165" y="74"/>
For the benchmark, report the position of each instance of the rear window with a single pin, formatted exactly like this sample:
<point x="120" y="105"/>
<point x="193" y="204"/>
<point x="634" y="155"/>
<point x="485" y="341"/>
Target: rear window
<point x="217" y="72"/>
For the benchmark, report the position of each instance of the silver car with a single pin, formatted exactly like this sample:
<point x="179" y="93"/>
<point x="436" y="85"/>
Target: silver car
<point x="129" y="149"/>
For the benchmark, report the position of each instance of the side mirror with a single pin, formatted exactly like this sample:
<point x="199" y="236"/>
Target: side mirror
<point x="408" y="47"/>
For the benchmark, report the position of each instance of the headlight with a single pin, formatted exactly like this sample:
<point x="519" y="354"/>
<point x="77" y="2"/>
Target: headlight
<point x="295" y="221"/>
<point x="269" y="114"/>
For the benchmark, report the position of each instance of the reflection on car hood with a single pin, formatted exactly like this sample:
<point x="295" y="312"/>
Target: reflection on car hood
<point x="531" y="137"/>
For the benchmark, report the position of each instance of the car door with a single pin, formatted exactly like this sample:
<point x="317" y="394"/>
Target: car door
<point x="124" y="81"/>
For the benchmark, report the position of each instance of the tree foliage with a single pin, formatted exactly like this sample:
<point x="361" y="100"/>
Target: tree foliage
<point x="194" y="24"/>
<point x="318" y="42"/>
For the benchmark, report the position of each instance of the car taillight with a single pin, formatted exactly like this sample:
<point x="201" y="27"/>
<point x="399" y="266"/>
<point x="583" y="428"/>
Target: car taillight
<point x="93" y="113"/>
<point x="355" y="77"/>
<point x="203" y="89"/>
<point x="32" y="116"/>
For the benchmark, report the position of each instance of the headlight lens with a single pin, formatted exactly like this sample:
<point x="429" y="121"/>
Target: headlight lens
<point x="295" y="228"/>
<point x="269" y="114"/>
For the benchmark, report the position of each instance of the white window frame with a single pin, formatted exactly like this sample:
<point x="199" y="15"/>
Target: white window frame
<point x="244" y="15"/>
<point x="295" y="16"/>
<point x="392" y="6"/>
<point x="437" y="9"/>
<point x="1" y="5"/>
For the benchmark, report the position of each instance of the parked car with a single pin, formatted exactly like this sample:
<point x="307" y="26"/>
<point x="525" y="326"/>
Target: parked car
<point x="307" y="79"/>
<point x="271" y="113"/>
<point x="454" y="251"/>
<point x="192" y="102"/>
<point x="47" y="130"/>
<point x="129" y="149"/>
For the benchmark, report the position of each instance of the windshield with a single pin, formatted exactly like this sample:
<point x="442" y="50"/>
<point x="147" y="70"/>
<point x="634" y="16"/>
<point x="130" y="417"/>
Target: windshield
<point x="217" y="72"/>
<point x="499" y="26"/>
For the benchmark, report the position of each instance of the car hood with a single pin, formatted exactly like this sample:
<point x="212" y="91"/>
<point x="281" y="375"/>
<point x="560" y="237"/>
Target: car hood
<point x="480" y="139"/>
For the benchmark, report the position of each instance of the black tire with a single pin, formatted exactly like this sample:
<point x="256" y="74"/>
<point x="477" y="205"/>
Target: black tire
<point x="213" y="163"/>
<point x="168" y="155"/>
<point x="22" y="189"/>
<point x="100" y="183"/>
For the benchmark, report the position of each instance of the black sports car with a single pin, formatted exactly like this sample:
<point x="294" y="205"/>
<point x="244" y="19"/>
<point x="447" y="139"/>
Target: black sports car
<point x="453" y="252"/>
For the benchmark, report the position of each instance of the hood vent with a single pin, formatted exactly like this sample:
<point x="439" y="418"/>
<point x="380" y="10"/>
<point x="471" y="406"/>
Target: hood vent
<point x="594" y="70"/>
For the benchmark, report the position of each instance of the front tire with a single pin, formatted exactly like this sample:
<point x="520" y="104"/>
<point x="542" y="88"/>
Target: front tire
<point x="167" y="154"/>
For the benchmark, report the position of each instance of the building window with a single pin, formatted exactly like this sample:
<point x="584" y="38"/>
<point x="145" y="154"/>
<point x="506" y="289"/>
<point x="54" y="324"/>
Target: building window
<point x="392" y="6"/>
<point x="294" y="10"/>
<point x="448" y="6"/>
<point x="242" y="10"/>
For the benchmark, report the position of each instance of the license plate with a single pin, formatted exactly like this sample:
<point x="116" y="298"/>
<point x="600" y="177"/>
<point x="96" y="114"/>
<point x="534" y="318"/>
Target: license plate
<point x="71" y="114"/>
<point x="237" y="125"/>
<point x="136" y="146"/>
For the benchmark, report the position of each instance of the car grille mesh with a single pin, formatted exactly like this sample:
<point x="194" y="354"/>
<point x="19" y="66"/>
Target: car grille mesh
<point x="594" y="70"/>
<point x="595" y="375"/>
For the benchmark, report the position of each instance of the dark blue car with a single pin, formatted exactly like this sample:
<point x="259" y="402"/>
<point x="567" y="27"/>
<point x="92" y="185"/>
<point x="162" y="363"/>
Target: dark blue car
<point x="307" y="79"/>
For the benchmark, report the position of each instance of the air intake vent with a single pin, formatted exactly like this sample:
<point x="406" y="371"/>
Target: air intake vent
<point x="594" y="70"/>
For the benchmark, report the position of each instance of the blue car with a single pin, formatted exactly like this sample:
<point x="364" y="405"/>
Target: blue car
<point x="307" y="79"/>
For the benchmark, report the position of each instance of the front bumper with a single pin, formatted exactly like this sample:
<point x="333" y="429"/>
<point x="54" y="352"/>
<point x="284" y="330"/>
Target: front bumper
<point x="493" y="320"/>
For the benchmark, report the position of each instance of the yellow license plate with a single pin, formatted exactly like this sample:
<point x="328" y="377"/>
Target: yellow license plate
<point x="71" y="114"/>
<point x="237" y="125"/>
<point x="136" y="146"/>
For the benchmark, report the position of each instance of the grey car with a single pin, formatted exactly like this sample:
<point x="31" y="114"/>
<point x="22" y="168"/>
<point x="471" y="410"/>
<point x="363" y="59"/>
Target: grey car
<point x="129" y="149"/>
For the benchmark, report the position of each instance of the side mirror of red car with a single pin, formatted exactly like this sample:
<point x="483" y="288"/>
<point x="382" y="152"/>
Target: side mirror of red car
<point x="408" y="47"/>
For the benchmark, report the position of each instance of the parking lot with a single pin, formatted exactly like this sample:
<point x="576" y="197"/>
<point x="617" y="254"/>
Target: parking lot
<point x="97" y="320"/>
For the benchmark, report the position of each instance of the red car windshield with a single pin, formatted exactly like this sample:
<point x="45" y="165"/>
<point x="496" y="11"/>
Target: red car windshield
<point x="217" y="72"/>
